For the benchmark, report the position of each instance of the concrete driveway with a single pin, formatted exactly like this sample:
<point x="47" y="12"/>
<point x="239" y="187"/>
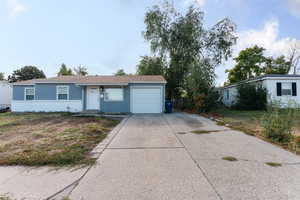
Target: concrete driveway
<point x="156" y="157"/>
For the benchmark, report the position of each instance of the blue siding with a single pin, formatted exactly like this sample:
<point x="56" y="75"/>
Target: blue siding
<point x="47" y="92"/>
<point x="18" y="92"/>
<point x="124" y="106"/>
<point x="119" y="106"/>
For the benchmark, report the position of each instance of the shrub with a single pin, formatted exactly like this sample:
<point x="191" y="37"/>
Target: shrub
<point x="251" y="97"/>
<point x="277" y="124"/>
<point x="207" y="102"/>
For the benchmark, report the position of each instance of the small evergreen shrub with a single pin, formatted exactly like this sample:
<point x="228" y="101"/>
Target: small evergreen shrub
<point x="277" y="124"/>
<point x="251" y="97"/>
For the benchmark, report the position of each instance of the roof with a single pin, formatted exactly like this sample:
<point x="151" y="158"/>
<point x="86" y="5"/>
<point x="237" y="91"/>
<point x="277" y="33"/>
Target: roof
<point x="98" y="80"/>
<point x="264" y="77"/>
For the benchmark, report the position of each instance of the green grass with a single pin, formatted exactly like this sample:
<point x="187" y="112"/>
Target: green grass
<point x="38" y="139"/>
<point x="230" y="158"/>
<point x="274" y="164"/>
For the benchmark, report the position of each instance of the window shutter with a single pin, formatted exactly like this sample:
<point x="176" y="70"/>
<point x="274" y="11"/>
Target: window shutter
<point x="294" y="89"/>
<point x="278" y="89"/>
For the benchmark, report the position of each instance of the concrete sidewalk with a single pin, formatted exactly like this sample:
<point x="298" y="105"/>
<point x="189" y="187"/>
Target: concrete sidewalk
<point x="35" y="183"/>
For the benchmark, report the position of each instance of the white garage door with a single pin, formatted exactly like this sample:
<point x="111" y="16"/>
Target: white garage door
<point x="146" y="100"/>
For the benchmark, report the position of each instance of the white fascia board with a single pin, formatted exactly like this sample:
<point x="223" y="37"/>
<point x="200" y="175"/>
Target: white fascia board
<point x="101" y="84"/>
<point x="159" y="82"/>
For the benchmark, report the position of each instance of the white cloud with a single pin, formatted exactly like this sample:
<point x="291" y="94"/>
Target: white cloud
<point x="294" y="7"/>
<point x="267" y="37"/>
<point x="15" y="7"/>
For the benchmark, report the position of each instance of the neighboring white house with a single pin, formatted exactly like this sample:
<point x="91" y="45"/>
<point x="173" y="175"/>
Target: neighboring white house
<point x="5" y="94"/>
<point x="284" y="89"/>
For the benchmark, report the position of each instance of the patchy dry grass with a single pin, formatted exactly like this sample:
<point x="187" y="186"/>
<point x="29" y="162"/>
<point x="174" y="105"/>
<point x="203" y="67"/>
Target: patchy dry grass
<point x="274" y="164"/>
<point x="204" y="131"/>
<point x="37" y="139"/>
<point x="249" y="122"/>
<point x="5" y="197"/>
<point x="230" y="158"/>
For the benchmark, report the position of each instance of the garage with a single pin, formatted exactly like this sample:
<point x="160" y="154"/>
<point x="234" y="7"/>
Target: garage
<point x="146" y="99"/>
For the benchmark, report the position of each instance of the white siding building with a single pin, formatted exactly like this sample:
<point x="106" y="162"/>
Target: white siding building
<point x="284" y="89"/>
<point x="5" y="94"/>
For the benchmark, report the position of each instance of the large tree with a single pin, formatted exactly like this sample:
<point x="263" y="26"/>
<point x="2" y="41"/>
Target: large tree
<point x="249" y="63"/>
<point x="252" y="62"/>
<point x="64" y="71"/>
<point x="182" y="40"/>
<point x="81" y="70"/>
<point x="277" y="65"/>
<point x="151" y="66"/>
<point x="26" y="73"/>
<point x="2" y="78"/>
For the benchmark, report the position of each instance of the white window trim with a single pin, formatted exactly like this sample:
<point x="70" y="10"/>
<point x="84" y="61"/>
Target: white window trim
<point x="26" y="94"/>
<point x="105" y="100"/>
<point x="68" y="92"/>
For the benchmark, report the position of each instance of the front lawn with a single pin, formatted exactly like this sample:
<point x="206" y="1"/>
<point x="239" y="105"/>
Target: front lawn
<point x="37" y="139"/>
<point x="250" y="123"/>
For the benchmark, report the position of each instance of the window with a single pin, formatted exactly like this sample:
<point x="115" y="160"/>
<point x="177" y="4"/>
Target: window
<point x="286" y="89"/>
<point x="227" y="94"/>
<point x="113" y="94"/>
<point x="29" y="94"/>
<point x="62" y="92"/>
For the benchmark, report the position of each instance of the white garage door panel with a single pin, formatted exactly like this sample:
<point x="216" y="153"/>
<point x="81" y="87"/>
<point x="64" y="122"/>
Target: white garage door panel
<point x="146" y="100"/>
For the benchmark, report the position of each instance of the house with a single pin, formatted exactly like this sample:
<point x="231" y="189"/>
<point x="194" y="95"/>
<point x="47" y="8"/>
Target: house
<point x="109" y="94"/>
<point x="283" y="89"/>
<point x="5" y="94"/>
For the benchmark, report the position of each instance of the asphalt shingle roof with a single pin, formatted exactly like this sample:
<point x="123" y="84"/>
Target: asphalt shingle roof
<point x="97" y="79"/>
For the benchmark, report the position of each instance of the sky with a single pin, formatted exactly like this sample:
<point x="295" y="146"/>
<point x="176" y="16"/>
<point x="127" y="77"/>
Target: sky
<point x="105" y="36"/>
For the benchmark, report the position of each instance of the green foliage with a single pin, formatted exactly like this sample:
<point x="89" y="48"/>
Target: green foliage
<point x="151" y="66"/>
<point x="251" y="63"/>
<point x="182" y="40"/>
<point x="251" y="97"/>
<point x="26" y="73"/>
<point x="277" y="66"/>
<point x="64" y="71"/>
<point x="80" y="70"/>
<point x="278" y="123"/>
<point x="2" y="78"/>
<point x="120" y="72"/>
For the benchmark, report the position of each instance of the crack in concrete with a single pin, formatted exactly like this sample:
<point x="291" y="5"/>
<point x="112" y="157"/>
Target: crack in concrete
<point x="190" y="155"/>
<point x="120" y="148"/>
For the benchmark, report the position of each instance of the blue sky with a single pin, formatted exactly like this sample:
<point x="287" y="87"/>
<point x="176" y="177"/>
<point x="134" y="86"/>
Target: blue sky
<point x="106" y="35"/>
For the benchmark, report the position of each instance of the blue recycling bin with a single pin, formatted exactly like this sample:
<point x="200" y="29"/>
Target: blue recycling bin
<point x="169" y="106"/>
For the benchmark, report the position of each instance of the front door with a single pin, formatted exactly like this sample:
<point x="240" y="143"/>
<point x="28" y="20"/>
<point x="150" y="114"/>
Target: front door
<point x="93" y="98"/>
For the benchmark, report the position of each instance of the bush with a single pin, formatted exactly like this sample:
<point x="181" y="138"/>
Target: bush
<point x="251" y="97"/>
<point x="277" y="124"/>
<point x="207" y="102"/>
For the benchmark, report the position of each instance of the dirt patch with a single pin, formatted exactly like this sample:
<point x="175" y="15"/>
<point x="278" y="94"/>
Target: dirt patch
<point x="50" y="139"/>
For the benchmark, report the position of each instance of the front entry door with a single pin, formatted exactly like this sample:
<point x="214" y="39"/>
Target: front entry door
<point x="93" y="98"/>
